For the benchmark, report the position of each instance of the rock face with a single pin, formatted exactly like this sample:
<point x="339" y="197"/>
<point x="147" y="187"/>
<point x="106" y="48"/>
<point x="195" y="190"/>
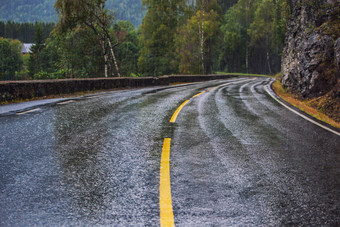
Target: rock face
<point x="311" y="56"/>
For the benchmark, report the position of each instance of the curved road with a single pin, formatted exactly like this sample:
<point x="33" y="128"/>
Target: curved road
<point x="237" y="158"/>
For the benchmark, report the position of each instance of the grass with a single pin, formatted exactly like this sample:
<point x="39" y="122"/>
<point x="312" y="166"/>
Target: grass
<point x="303" y="105"/>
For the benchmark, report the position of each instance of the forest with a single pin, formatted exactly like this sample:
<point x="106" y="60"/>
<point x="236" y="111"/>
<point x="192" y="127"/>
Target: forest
<point x="43" y="10"/>
<point x="24" y="31"/>
<point x="175" y="37"/>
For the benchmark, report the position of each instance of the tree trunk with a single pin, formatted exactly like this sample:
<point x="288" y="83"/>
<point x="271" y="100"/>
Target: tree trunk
<point x="113" y="56"/>
<point x="268" y="62"/>
<point x="102" y="42"/>
<point x="101" y="38"/>
<point x="201" y="31"/>
<point x="268" y="59"/>
<point x="247" y="57"/>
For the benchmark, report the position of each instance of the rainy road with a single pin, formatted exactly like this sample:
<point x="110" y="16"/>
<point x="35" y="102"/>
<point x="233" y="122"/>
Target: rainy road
<point x="237" y="158"/>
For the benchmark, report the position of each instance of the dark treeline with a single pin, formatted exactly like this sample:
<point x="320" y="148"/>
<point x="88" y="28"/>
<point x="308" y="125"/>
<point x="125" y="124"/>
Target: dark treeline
<point x="253" y="36"/>
<point x="24" y="31"/>
<point x="175" y="37"/>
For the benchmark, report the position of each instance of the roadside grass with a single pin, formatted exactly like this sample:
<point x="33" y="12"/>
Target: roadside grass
<point x="242" y="74"/>
<point x="303" y="105"/>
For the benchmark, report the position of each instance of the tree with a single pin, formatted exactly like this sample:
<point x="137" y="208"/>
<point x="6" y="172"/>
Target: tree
<point x="236" y="39"/>
<point x="10" y="58"/>
<point x="128" y="50"/>
<point x="2" y="29"/>
<point x="226" y="4"/>
<point x="93" y="15"/>
<point x="196" y="41"/>
<point x="79" y="53"/>
<point x="254" y="32"/>
<point x="209" y="22"/>
<point x="157" y="34"/>
<point x="24" y="31"/>
<point x="35" y="60"/>
<point x="267" y="34"/>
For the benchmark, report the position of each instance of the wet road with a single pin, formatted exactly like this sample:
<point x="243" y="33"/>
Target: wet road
<point x="237" y="158"/>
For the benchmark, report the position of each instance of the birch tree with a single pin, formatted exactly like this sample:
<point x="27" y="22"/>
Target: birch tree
<point x="195" y="42"/>
<point x="93" y="15"/>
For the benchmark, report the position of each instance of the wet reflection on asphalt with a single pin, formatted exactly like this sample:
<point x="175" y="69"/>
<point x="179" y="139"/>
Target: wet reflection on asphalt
<point x="237" y="158"/>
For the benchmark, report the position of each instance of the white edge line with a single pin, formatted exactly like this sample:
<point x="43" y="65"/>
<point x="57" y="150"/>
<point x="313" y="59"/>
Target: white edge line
<point x="28" y="111"/>
<point x="65" y="102"/>
<point x="301" y="115"/>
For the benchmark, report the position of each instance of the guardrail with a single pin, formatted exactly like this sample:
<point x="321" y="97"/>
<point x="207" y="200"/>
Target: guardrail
<point x="30" y="89"/>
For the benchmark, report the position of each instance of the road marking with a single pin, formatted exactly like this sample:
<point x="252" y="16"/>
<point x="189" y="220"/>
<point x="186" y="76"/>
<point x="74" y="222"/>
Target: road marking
<point x="165" y="202"/>
<point x="174" y="116"/>
<point x="301" y="115"/>
<point x="235" y="82"/>
<point x="65" y="102"/>
<point x="94" y="96"/>
<point x="212" y="88"/>
<point x="198" y="94"/>
<point x="28" y="111"/>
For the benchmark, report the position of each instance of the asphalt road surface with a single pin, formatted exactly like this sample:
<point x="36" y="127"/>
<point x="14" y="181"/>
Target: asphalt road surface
<point x="237" y="158"/>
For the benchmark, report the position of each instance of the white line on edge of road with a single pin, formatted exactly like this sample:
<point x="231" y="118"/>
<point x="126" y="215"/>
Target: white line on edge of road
<point x="65" y="102"/>
<point x="301" y="115"/>
<point x="28" y="111"/>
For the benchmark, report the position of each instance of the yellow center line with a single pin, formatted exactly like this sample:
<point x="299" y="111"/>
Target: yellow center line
<point x="198" y="94"/>
<point x="165" y="202"/>
<point x="174" y="116"/>
<point x="212" y="88"/>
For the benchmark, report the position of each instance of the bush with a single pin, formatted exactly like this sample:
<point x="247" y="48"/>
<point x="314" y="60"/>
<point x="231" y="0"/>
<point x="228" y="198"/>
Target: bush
<point x="10" y="58"/>
<point x="42" y="75"/>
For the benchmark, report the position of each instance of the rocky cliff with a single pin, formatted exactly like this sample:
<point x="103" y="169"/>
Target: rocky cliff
<point x="311" y="56"/>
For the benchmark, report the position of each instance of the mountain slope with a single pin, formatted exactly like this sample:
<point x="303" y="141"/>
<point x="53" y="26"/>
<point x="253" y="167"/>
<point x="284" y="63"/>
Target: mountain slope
<point x="311" y="56"/>
<point x="43" y="10"/>
<point x="310" y="63"/>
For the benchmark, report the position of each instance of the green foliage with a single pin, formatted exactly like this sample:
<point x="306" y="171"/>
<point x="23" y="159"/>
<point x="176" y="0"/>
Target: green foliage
<point x="77" y="53"/>
<point x="254" y="33"/>
<point x="175" y="36"/>
<point x="188" y="51"/>
<point x="173" y="41"/>
<point x="24" y="31"/>
<point x="331" y="27"/>
<point x="10" y="59"/>
<point x="136" y="75"/>
<point x="128" y="49"/>
<point x="188" y="41"/>
<point x="236" y="38"/>
<point x="91" y="15"/>
<point x="227" y="4"/>
<point x="42" y="75"/>
<point x="35" y="62"/>
<point x="157" y="34"/>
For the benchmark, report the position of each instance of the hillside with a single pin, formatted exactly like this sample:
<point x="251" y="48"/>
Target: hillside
<point x="311" y="59"/>
<point x="43" y="10"/>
